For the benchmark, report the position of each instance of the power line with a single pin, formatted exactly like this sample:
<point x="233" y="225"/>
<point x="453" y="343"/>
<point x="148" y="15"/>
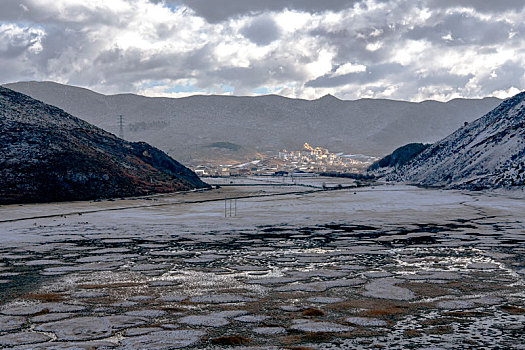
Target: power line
<point x="121" y="128"/>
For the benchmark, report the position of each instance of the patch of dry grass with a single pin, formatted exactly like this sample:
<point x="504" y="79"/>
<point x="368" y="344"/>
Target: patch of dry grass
<point x="289" y="339"/>
<point x="440" y="330"/>
<point x="426" y="289"/>
<point x="412" y="333"/>
<point x="439" y="321"/>
<point x="313" y="312"/>
<point x="513" y="309"/>
<point x="46" y="297"/>
<point x="316" y="337"/>
<point x="230" y="340"/>
<point x="383" y="312"/>
<point x="466" y="314"/>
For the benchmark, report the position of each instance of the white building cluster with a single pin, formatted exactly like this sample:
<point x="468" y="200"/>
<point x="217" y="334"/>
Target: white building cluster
<point x="310" y="158"/>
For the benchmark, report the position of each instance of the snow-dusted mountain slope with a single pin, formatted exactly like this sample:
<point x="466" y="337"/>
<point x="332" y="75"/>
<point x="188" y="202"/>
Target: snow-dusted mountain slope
<point x="184" y="126"/>
<point x="48" y="155"/>
<point x="487" y="153"/>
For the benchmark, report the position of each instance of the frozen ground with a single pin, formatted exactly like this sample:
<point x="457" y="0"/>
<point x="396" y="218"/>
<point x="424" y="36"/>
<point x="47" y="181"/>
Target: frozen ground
<point x="390" y="266"/>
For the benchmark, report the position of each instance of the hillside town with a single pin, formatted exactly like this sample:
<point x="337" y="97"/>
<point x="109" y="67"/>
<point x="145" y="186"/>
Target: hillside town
<point x="305" y="162"/>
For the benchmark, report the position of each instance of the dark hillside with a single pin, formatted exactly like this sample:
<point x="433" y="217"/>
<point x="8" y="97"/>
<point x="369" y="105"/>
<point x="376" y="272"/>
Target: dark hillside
<point x="400" y="156"/>
<point x="47" y="155"/>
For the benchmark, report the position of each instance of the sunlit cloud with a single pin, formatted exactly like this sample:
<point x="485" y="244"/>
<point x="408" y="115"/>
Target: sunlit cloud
<point x="410" y="50"/>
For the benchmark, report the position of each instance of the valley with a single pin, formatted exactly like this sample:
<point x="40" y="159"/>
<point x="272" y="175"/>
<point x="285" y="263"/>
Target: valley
<point x="262" y="175"/>
<point x="391" y="266"/>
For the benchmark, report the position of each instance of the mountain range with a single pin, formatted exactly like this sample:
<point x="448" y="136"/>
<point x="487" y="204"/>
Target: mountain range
<point x="186" y="127"/>
<point x="48" y="155"/>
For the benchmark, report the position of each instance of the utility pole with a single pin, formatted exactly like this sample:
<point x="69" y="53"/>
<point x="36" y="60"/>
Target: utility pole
<point x="230" y="207"/>
<point x="121" y="128"/>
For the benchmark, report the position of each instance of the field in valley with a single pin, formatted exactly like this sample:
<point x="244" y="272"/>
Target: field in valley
<point x="287" y="267"/>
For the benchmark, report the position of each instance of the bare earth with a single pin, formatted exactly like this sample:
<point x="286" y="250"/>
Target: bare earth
<point x="297" y="268"/>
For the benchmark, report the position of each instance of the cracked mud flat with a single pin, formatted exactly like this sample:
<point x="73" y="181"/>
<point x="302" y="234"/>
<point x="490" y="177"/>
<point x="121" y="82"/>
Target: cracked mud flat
<point x="394" y="267"/>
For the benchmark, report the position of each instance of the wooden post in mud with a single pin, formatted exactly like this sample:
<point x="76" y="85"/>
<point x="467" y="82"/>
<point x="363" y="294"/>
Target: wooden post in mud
<point x="224" y="207"/>
<point x="230" y="208"/>
<point x="235" y="207"/>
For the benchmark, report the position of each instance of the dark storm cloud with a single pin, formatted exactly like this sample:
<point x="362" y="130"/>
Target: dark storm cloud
<point x="509" y="74"/>
<point x="31" y="11"/>
<point x="120" y="66"/>
<point x="463" y="29"/>
<point x="271" y="71"/>
<point x="261" y="31"/>
<point x="12" y="10"/>
<point x="481" y="5"/>
<point x="393" y="72"/>
<point x="63" y="52"/>
<point x="442" y="77"/>
<point x="351" y="45"/>
<point x="220" y="10"/>
<point x="371" y="75"/>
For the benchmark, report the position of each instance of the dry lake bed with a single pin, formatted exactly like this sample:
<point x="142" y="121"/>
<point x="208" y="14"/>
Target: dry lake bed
<point x="291" y="268"/>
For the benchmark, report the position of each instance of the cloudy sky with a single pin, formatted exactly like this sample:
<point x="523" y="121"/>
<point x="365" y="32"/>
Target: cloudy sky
<point x="401" y="49"/>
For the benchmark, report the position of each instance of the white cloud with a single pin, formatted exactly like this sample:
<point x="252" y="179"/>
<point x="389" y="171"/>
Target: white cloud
<point x="374" y="46"/>
<point x="348" y="68"/>
<point x="15" y="38"/>
<point x="507" y="93"/>
<point x="361" y="48"/>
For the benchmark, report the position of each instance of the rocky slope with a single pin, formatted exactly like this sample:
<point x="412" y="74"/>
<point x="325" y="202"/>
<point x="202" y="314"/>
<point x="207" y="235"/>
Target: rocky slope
<point x="47" y="154"/>
<point x="487" y="153"/>
<point x="183" y="127"/>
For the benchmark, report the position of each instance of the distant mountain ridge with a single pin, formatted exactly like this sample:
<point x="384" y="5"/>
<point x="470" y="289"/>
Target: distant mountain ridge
<point x="48" y="155"/>
<point x="487" y="153"/>
<point x="184" y="126"/>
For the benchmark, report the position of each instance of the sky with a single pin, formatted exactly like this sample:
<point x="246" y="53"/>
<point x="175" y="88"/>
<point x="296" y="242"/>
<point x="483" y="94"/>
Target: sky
<point x="398" y="49"/>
